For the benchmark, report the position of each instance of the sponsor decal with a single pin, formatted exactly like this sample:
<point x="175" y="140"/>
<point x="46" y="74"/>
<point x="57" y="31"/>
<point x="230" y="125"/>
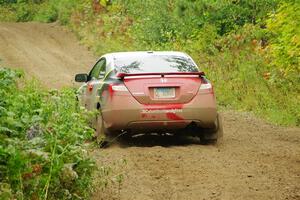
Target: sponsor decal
<point x="149" y="111"/>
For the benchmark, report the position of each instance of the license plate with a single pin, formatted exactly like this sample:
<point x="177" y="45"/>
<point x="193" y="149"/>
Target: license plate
<point x="164" y="93"/>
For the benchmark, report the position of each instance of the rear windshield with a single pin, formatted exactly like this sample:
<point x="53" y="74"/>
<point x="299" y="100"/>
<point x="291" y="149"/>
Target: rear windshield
<point x="155" y="63"/>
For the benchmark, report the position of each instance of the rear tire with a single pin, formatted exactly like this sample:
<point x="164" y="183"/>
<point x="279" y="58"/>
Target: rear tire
<point x="101" y="133"/>
<point x="214" y="135"/>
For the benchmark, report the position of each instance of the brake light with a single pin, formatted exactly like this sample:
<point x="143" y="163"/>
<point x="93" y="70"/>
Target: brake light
<point x="205" y="86"/>
<point x="90" y="87"/>
<point x="120" y="88"/>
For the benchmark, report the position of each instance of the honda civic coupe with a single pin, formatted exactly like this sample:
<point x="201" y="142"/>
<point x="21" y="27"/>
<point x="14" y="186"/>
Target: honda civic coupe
<point x="150" y="92"/>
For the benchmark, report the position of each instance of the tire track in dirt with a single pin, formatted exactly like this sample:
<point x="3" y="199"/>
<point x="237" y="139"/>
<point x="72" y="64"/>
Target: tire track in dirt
<point x="255" y="161"/>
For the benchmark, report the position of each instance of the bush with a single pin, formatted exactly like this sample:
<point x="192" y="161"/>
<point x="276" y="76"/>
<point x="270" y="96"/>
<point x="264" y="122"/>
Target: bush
<point x="54" y="10"/>
<point x="242" y="77"/>
<point x="25" y="12"/>
<point x="285" y="41"/>
<point x="8" y="1"/>
<point x="47" y="13"/>
<point x="42" y="142"/>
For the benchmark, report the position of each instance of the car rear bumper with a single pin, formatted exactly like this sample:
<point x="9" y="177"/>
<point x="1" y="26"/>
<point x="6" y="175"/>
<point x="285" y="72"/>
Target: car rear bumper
<point x="125" y="112"/>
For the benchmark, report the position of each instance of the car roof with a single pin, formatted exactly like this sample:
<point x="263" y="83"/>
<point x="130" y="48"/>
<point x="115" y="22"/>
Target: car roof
<point x="143" y="53"/>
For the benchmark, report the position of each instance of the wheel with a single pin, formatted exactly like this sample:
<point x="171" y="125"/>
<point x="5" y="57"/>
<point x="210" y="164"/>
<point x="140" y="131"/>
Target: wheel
<point x="101" y="133"/>
<point x="213" y="135"/>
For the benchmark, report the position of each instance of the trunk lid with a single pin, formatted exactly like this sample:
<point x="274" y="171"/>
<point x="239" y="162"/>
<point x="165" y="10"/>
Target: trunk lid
<point x="163" y="88"/>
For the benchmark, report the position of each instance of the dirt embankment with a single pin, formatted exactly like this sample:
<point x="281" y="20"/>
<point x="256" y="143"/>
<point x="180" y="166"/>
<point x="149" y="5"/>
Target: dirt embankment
<point x="256" y="160"/>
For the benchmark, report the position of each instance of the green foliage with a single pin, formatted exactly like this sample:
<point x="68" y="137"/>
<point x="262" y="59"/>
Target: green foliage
<point x="7" y="14"/>
<point x="165" y="21"/>
<point x="243" y="81"/>
<point x="285" y="42"/>
<point x="156" y="21"/>
<point x="54" y="10"/>
<point x="7" y="1"/>
<point x="47" y="13"/>
<point x="19" y="11"/>
<point x="42" y="142"/>
<point x="38" y="10"/>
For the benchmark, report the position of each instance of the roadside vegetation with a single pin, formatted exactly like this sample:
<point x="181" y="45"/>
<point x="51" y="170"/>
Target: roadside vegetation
<point x="43" y="154"/>
<point x="249" y="49"/>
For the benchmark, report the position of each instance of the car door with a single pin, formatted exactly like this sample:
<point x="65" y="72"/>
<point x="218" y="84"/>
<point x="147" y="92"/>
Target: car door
<point x="95" y="80"/>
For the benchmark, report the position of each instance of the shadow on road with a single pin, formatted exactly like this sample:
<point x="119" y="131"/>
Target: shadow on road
<point x="155" y="140"/>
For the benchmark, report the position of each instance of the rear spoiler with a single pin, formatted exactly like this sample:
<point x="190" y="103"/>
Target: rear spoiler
<point x="162" y="74"/>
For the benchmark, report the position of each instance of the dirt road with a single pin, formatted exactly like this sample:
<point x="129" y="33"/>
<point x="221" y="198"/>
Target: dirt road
<point x="45" y="51"/>
<point x="255" y="161"/>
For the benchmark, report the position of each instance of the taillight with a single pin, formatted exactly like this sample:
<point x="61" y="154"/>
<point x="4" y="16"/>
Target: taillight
<point x="120" y="88"/>
<point x="205" y="86"/>
<point x="117" y="90"/>
<point x="90" y="87"/>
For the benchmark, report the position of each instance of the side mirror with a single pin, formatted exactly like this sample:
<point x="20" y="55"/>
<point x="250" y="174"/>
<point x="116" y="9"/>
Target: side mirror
<point x="81" y="78"/>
